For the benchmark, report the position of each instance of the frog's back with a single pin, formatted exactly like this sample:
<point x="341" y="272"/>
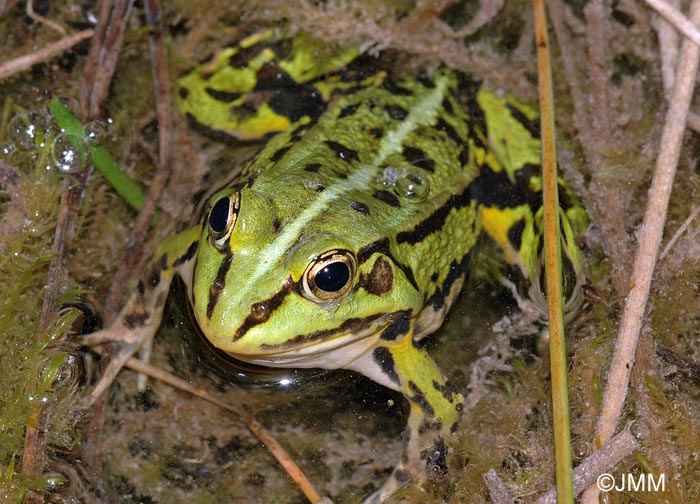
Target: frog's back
<point x="387" y="168"/>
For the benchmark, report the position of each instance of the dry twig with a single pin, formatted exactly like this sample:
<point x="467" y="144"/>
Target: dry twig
<point x="497" y="489"/>
<point x="42" y="20"/>
<point x="677" y="19"/>
<point x="22" y="63"/>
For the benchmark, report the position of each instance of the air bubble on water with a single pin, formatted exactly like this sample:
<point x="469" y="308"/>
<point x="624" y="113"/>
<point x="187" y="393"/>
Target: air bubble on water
<point x="66" y="157"/>
<point x="405" y="182"/>
<point x="95" y="132"/>
<point x="412" y="184"/>
<point x="22" y="131"/>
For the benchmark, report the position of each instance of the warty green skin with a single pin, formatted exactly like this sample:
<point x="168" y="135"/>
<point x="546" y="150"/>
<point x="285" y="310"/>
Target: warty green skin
<point x="340" y="183"/>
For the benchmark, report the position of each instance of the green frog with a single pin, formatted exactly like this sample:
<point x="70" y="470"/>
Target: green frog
<point x="346" y="239"/>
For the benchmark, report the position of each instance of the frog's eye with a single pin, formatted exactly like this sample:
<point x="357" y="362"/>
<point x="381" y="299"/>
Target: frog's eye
<point x="329" y="276"/>
<point x="222" y="219"/>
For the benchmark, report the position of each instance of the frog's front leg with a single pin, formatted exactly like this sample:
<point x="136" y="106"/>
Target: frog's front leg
<point x="435" y="405"/>
<point x="137" y="323"/>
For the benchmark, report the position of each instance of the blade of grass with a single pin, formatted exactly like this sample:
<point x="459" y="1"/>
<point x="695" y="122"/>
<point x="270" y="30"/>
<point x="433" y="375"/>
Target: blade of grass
<point x="103" y="161"/>
<point x="553" y="268"/>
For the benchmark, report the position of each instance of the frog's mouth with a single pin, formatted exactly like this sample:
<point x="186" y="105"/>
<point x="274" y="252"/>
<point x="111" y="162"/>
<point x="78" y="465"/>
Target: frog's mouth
<point x="330" y="349"/>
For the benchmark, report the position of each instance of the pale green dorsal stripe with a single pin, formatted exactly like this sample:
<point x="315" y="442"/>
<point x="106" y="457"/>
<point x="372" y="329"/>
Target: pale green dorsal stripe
<point x="422" y="114"/>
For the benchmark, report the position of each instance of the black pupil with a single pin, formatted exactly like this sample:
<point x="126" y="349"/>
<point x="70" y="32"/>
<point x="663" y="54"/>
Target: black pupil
<point x="218" y="218"/>
<point x="333" y="277"/>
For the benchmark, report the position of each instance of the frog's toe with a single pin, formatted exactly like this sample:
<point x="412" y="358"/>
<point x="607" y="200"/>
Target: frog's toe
<point x="116" y="363"/>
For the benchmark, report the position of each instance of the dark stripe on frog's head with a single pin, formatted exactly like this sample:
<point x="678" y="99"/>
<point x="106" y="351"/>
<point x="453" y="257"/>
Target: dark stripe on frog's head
<point x="187" y="256"/>
<point x="400" y="326"/>
<point x="262" y="311"/>
<point x="221" y="95"/>
<point x="297" y="102"/>
<point x="352" y="325"/>
<point x="218" y="284"/>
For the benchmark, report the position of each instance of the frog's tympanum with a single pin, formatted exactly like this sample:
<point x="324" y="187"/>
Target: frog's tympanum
<point x="347" y="237"/>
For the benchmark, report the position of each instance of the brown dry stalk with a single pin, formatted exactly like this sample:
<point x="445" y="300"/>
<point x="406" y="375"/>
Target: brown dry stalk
<point x="553" y="265"/>
<point x="677" y="19"/>
<point x="497" y="489"/>
<point x="37" y="18"/>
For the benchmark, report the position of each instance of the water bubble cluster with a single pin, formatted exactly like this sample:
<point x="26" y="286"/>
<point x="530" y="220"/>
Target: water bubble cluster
<point x="35" y="134"/>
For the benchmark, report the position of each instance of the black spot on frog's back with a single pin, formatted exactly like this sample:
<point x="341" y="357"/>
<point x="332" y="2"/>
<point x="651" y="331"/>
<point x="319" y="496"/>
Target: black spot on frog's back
<point x="443" y="125"/>
<point x="418" y="158"/>
<point x="297" y="102"/>
<point x="396" y="112"/>
<point x="387" y="197"/>
<point x="343" y="152"/>
<point x="348" y="110"/>
<point x="312" y="167"/>
<point x="395" y="89"/>
<point x="222" y="95"/>
<point x="360" y="207"/>
<point x="377" y="133"/>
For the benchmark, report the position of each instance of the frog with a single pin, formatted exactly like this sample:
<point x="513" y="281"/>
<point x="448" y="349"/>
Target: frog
<point x="346" y="239"/>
